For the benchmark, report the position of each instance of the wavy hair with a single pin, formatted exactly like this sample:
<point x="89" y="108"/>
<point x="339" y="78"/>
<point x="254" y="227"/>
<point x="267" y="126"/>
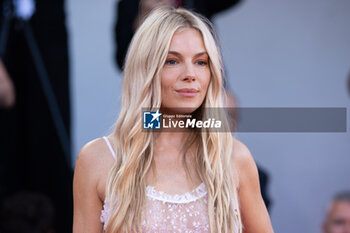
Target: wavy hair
<point x="126" y="183"/>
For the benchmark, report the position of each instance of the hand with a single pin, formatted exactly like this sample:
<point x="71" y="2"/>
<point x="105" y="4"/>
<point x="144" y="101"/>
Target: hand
<point x="7" y="91"/>
<point x="146" y="6"/>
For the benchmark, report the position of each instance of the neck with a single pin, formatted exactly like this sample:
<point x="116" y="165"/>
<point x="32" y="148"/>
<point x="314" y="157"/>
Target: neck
<point x="176" y="139"/>
<point x="169" y="157"/>
<point x="171" y="144"/>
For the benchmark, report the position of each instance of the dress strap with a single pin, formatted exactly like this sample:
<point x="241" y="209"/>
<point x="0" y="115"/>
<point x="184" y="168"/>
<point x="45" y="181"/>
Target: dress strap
<point x="109" y="146"/>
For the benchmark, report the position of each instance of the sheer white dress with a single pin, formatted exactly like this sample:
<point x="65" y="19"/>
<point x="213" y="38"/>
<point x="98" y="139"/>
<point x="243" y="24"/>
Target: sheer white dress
<point x="186" y="213"/>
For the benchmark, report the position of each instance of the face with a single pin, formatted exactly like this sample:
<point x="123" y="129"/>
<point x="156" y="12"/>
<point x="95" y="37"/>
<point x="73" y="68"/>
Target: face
<point x="338" y="220"/>
<point x="186" y="74"/>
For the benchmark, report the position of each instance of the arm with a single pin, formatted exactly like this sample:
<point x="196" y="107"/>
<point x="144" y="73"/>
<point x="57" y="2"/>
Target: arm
<point x="130" y="16"/>
<point x="255" y="217"/>
<point x="221" y="5"/>
<point x="87" y="204"/>
<point x="7" y="91"/>
<point x="209" y="8"/>
<point x="127" y="11"/>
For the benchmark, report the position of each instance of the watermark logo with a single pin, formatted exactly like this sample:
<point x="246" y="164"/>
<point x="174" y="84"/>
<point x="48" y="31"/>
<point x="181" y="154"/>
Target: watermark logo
<point x="165" y="121"/>
<point x="271" y="119"/>
<point x="151" y="120"/>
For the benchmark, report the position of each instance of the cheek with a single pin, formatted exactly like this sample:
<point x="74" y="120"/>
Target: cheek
<point x="168" y="79"/>
<point x="166" y="85"/>
<point x="206" y="80"/>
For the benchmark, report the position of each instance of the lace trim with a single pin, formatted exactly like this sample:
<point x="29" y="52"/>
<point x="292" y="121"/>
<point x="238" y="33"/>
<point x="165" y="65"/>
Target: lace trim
<point x="104" y="217"/>
<point x="194" y="195"/>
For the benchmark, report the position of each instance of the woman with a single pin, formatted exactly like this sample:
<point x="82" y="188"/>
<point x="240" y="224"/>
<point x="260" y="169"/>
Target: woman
<point x="188" y="181"/>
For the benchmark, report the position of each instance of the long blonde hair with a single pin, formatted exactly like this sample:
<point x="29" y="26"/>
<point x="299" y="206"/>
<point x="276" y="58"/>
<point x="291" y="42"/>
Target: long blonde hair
<point x="142" y="88"/>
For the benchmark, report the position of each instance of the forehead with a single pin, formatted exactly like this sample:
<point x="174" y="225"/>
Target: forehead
<point x="341" y="208"/>
<point x="187" y="40"/>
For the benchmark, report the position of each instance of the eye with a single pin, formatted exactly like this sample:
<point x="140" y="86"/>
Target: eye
<point x="202" y="63"/>
<point x="171" y="62"/>
<point x="338" y="221"/>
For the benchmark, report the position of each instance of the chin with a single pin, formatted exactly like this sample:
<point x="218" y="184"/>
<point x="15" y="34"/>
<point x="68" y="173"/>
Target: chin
<point x="179" y="109"/>
<point x="188" y="110"/>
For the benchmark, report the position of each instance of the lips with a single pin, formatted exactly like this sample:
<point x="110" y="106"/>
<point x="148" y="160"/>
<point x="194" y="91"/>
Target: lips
<point x="187" y="92"/>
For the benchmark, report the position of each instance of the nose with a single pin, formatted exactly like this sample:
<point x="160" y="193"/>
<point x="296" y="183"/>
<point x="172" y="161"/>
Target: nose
<point x="189" y="74"/>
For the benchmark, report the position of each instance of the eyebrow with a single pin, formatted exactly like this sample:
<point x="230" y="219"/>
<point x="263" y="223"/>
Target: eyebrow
<point x="179" y="55"/>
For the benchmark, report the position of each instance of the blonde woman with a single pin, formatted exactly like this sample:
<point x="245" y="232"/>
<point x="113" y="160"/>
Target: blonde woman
<point x="188" y="181"/>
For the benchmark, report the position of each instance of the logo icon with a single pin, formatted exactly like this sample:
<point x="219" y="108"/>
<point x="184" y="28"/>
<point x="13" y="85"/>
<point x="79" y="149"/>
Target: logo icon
<point x="151" y="120"/>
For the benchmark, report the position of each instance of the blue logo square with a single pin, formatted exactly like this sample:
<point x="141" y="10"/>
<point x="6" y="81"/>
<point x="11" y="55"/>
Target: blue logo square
<point x="151" y="120"/>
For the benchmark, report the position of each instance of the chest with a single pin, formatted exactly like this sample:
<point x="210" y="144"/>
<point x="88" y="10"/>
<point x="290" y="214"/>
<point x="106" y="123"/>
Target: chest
<point x="164" y="212"/>
<point x="178" y="214"/>
<point x="173" y="174"/>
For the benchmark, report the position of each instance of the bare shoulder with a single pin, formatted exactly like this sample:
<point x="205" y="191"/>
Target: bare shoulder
<point x="94" y="154"/>
<point x="91" y="170"/>
<point x="254" y="214"/>
<point x="94" y="162"/>
<point x="243" y="162"/>
<point x="241" y="155"/>
<point x="94" y="151"/>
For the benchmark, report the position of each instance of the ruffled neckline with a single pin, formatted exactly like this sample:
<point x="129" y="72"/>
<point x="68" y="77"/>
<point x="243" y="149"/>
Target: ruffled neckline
<point x="191" y="196"/>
